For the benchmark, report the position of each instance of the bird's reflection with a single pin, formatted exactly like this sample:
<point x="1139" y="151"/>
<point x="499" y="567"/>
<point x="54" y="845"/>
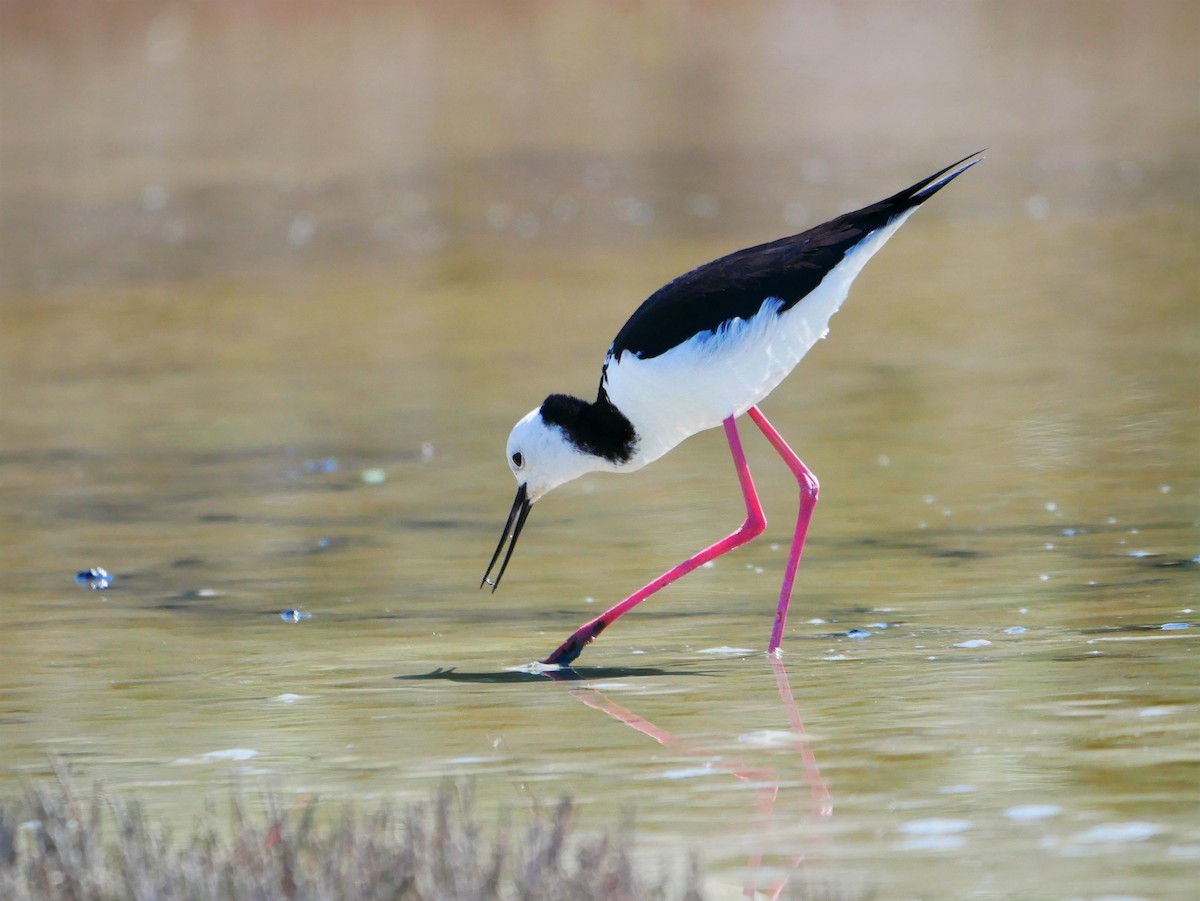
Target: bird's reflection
<point x="580" y="683"/>
<point x="766" y="780"/>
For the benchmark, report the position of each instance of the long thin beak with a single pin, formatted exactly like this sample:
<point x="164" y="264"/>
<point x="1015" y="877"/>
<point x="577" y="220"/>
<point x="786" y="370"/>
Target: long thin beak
<point x="512" y="526"/>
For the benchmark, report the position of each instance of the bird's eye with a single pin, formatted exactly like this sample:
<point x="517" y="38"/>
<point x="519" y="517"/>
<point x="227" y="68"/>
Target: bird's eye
<point x="517" y="460"/>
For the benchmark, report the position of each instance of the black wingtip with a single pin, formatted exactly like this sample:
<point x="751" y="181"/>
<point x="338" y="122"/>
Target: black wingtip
<point x="927" y="187"/>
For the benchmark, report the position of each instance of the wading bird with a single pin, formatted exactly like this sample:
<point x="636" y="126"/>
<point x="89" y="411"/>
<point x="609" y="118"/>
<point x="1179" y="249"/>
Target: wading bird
<point x="698" y="353"/>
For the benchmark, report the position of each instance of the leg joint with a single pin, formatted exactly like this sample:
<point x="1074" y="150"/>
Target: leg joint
<point x="809" y="486"/>
<point x="755" y="525"/>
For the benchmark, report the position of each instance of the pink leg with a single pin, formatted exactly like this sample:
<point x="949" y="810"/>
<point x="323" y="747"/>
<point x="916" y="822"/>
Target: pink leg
<point x="754" y="525"/>
<point x="809" y="488"/>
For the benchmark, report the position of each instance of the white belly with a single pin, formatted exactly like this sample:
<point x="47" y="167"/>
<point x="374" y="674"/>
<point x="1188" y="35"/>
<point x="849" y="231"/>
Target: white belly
<point x="713" y="376"/>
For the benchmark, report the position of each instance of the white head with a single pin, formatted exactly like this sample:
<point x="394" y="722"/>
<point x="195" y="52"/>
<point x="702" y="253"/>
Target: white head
<point x="542" y="455"/>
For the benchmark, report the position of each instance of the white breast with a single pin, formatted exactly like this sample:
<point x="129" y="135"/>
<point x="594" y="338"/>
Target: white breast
<point x="710" y="377"/>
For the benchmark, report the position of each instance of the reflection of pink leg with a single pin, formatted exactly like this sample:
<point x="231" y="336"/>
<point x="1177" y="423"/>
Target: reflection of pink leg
<point x="765" y="781"/>
<point x="754" y="525"/>
<point x="809" y="488"/>
<point x="822" y="799"/>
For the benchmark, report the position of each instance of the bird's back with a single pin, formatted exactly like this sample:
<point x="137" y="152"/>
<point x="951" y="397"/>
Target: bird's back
<point x="722" y="370"/>
<point x="718" y="339"/>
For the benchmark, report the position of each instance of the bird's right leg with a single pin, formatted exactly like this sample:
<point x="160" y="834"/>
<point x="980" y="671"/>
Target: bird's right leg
<point x="754" y="525"/>
<point x="809" y="490"/>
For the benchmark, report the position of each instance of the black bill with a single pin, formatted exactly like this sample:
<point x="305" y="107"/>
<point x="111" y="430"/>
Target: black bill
<point x="512" y="527"/>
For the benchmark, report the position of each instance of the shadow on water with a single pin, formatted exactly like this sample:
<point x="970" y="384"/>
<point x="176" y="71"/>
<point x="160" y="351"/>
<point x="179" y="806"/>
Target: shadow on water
<point x="567" y="674"/>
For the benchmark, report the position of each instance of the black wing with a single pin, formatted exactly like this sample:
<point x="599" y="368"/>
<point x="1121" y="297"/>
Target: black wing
<point x="735" y="286"/>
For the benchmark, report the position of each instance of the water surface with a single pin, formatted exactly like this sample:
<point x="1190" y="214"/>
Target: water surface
<point x="275" y="284"/>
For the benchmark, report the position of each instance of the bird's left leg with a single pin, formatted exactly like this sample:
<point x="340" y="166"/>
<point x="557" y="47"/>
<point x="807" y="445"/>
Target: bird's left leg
<point x="753" y="526"/>
<point x="809" y="489"/>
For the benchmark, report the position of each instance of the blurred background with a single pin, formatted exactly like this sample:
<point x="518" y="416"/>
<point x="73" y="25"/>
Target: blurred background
<point x="276" y="278"/>
<point x="151" y="140"/>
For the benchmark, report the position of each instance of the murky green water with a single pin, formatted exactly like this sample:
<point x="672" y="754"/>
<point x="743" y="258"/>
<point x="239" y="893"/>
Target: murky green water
<point x="276" y="283"/>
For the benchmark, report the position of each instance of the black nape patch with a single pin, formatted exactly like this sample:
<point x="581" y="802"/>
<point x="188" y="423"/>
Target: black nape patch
<point x="598" y="428"/>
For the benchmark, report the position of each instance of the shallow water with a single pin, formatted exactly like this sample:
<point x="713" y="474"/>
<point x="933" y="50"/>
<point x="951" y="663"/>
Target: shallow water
<point x="267" y="317"/>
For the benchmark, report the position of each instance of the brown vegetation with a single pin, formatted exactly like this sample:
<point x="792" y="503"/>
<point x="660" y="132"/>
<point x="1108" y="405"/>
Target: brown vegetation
<point x="58" y="844"/>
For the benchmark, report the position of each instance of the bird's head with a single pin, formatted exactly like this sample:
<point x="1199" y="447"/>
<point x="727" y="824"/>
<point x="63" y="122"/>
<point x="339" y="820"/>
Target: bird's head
<point x="542" y="456"/>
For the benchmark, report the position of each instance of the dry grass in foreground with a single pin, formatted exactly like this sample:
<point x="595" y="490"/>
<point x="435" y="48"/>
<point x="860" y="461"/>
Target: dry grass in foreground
<point x="57" y="844"/>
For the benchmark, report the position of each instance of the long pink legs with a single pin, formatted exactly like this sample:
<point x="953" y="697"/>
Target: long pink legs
<point x="754" y="525"/>
<point x="809" y="489"/>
